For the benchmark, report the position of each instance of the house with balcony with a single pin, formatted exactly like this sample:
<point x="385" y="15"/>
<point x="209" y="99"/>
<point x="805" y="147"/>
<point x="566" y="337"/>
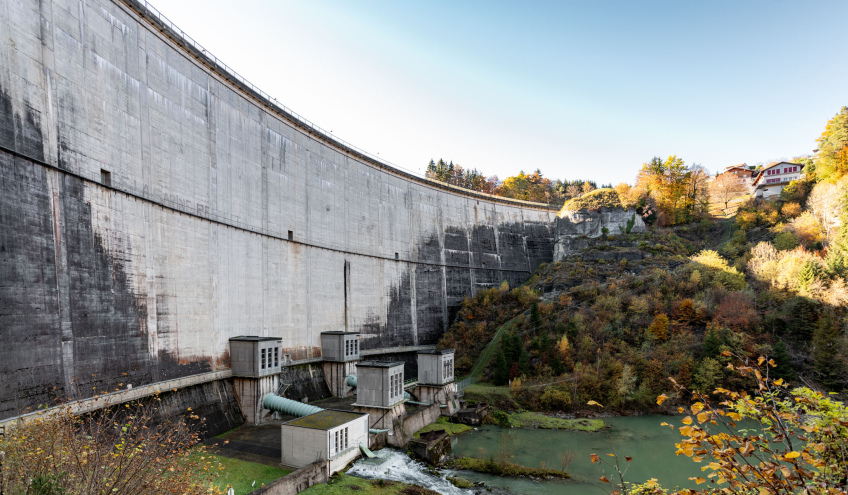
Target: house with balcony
<point x="774" y="178"/>
<point x="742" y="173"/>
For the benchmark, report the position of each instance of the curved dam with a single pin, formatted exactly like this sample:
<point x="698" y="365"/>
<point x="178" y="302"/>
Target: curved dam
<point x="153" y="205"/>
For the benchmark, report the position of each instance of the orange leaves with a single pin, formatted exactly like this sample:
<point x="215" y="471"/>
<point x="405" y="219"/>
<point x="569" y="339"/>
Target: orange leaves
<point x="595" y="458"/>
<point x="698" y="480"/>
<point x="604" y="479"/>
<point x="662" y="398"/>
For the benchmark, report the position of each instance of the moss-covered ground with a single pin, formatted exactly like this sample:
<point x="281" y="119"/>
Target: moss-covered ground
<point x="443" y="424"/>
<point x="537" y="420"/>
<point x="343" y="484"/>
<point x="237" y="473"/>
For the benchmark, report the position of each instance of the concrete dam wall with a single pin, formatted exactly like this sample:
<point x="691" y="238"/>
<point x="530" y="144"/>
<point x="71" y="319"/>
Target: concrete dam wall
<point x="150" y="209"/>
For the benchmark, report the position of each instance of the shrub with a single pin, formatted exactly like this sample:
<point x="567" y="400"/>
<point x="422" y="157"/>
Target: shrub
<point x="659" y="327"/>
<point x="791" y="209"/>
<point x="785" y="241"/>
<point x="712" y="265"/>
<point x="555" y="400"/>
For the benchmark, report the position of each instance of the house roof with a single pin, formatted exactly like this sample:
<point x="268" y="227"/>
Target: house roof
<point x="326" y="419"/>
<point x="741" y="165"/>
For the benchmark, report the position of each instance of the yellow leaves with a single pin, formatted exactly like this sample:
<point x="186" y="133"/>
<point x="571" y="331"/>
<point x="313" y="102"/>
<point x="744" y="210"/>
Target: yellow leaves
<point x="697" y="407"/>
<point x="734" y="416"/>
<point x="593" y="403"/>
<point x="704" y="416"/>
<point x="686" y="421"/>
<point x="698" y="480"/>
<point x="761" y="360"/>
<point x="792" y="455"/>
<point x="714" y="466"/>
<point x="662" y="398"/>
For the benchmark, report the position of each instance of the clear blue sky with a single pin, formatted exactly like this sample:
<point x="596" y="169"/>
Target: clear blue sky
<point x="586" y="89"/>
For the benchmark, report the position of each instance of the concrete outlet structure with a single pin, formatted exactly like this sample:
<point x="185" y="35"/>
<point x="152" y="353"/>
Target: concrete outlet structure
<point x="329" y="435"/>
<point x="256" y="364"/>
<point x="436" y="383"/>
<point x="379" y="383"/>
<point x="340" y="351"/>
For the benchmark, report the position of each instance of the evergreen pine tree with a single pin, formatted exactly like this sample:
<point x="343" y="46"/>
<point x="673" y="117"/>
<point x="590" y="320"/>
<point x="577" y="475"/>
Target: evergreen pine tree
<point x="501" y="376"/>
<point x="808" y="274"/>
<point x="783" y="362"/>
<point x="711" y="345"/>
<point x="801" y="318"/>
<point x="826" y="347"/>
<point x="523" y="362"/>
<point x="535" y="316"/>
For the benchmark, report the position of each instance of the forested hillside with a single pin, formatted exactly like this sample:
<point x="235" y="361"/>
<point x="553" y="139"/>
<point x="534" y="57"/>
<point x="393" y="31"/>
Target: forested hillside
<point x="614" y="322"/>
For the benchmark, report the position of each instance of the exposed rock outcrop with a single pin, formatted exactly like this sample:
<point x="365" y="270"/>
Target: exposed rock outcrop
<point x="573" y="227"/>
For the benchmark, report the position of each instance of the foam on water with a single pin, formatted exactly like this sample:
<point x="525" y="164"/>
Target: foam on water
<point x="400" y="467"/>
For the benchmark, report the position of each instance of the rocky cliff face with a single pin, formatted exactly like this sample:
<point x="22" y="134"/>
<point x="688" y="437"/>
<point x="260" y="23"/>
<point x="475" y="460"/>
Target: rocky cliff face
<point x="572" y="227"/>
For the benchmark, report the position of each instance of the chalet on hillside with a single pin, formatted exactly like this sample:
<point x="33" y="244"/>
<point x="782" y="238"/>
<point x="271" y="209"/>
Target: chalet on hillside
<point x="774" y="178"/>
<point x="744" y="174"/>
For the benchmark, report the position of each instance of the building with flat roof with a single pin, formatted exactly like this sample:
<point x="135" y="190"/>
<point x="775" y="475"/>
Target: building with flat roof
<point x="329" y="434"/>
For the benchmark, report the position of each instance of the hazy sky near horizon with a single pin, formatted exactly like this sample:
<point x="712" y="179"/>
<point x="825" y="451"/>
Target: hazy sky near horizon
<point x="587" y="89"/>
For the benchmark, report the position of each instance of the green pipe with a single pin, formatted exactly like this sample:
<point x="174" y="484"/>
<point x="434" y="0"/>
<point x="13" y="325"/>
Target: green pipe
<point x="351" y="381"/>
<point x="274" y="402"/>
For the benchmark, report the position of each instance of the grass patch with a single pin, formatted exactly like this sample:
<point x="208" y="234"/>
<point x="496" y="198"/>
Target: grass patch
<point x="343" y="484"/>
<point x="537" y="420"/>
<point x="486" y="389"/>
<point x="223" y="435"/>
<point x="505" y="468"/>
<point x="237" y="473"/>
<point x="443" y="424"/>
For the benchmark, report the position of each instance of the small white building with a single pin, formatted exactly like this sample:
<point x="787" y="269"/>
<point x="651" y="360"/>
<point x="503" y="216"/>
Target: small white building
<point x="329" y="435"/>
<point x="435" y="367"/>
<point x="340" y="346"/>
<point x="774" y="178"/>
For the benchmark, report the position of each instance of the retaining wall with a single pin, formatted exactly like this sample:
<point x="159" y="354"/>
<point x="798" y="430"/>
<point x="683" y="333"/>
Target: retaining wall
<point x="219" y="217"/>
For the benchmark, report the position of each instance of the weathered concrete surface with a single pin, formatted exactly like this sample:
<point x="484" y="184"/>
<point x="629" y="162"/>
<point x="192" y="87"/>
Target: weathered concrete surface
<point x="572" y="226"/>
<point x="189" y="246"/>
<point x="297" y="481"/>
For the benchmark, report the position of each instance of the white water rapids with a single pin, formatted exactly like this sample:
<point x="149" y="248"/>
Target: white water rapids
<point x="399" y="467"/>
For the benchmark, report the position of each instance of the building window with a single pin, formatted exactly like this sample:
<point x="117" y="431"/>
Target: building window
<point x="276" y="356"/>
<point x="105" y="177"/>
<point x="337" y="441"/>
<point x="355" y="347"/>
<point x="347" y="348"/>
<point x="345" y="438"/>
<point x="262" y="352"/>
<point x="291" y="235"/>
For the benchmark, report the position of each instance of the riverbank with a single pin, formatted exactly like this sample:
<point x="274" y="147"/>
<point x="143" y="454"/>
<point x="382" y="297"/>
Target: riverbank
<point x="529" y="419"/>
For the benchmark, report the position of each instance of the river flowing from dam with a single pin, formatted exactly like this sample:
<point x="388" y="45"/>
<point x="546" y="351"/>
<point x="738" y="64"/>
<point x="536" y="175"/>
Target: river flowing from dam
<point x="642" y="437"/>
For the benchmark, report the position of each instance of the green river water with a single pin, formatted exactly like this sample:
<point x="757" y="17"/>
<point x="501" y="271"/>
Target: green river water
<point x="642" y="437"/>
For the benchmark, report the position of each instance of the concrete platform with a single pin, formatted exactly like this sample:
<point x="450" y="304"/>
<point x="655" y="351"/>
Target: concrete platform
<point x="254" y="443"/>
